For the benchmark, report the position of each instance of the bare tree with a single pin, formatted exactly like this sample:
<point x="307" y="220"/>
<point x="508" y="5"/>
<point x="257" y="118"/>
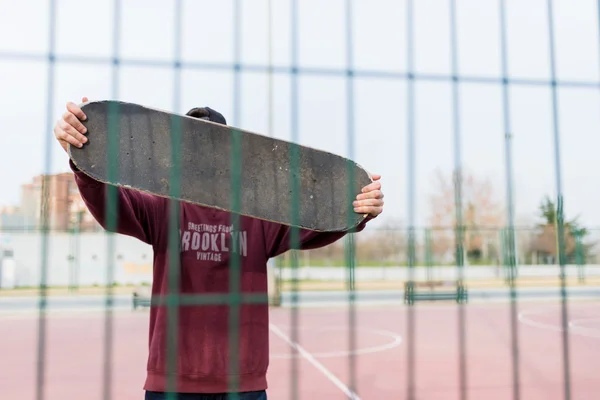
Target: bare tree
<point x="386" y="244"/>
<point x="482" y="215"/>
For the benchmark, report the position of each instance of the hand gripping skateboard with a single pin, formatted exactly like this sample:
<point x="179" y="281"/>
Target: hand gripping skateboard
<point x="219" y="166"/>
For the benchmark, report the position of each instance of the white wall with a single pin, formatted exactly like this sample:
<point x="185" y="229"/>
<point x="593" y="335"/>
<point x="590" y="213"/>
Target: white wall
<point x="132" y="263"/>
<point x="131" y="258"/>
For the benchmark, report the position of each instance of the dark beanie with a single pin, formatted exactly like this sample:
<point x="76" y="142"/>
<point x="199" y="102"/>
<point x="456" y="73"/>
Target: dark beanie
<point x="207" y="113"/>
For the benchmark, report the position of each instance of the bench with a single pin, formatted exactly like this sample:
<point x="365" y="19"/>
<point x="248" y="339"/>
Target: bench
<point x="141" y="297"/>
<point x="435" y="290"/>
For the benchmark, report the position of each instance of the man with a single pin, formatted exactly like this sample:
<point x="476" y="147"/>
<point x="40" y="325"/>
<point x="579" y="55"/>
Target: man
<point x="202" y="370"/>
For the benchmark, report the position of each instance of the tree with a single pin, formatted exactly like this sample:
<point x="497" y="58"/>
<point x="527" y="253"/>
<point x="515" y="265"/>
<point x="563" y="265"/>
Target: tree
<point x="545" y="243"/>
<point x="388" y="243"/>
<point x="385" y="244"/>
<point x="482" y="216"/>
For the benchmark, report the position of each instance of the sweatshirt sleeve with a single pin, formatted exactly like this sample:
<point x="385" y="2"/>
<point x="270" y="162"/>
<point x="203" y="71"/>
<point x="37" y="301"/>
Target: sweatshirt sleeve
<point x="137" y="212"/>
<point x="278" y="237"/>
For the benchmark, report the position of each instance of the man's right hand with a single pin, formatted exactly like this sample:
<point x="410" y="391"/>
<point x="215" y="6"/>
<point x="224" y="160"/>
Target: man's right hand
<point x="69" y="128"/>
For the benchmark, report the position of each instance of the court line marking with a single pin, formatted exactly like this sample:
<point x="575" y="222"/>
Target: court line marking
<point x="397" y="340"/>
<point x="334" y="379"/>
<point x="551" y="327"/>
<point x="577" y="322"/>
<point x="576" y="325"/>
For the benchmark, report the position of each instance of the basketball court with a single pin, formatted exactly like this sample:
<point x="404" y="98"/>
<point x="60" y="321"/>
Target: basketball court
<point x="319" y="361"/>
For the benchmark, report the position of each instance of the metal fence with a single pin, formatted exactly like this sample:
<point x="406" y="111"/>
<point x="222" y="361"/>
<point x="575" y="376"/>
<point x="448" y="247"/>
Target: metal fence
<point x="404" y="251"/>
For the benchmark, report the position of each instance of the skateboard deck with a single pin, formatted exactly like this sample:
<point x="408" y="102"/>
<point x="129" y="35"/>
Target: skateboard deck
<point x="215" y="163"/>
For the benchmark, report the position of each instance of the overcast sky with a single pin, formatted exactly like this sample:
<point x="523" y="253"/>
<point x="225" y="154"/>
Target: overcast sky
<point x="85" y="28"/>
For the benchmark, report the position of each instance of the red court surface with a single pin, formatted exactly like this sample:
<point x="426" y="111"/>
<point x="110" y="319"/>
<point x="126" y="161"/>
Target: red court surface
<point x="75" y="353"/>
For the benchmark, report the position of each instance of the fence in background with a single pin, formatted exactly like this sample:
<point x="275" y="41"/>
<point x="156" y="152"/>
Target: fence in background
<point x="48" y="258"/>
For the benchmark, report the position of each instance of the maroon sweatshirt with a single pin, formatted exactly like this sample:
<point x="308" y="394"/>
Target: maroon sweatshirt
<point x="206" y="241"/>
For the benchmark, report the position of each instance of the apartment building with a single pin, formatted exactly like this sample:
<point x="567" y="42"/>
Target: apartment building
<point x="57" y="196"/>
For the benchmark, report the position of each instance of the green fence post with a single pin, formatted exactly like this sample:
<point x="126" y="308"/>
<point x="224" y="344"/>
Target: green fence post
<point x="428" y="257"/>
<point x="580" y="258"/>
<point x="503" y="250"/>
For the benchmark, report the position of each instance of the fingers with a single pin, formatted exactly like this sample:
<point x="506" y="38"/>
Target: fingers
<point x="374" y="211"/>
<point x="372" y="186"/>
<point x="84" y="100"/>
<point x="76" y="111"/>
<point x="69" y="129"/>
<point x="72" y="120"/>
<point x="369" y="206"/>
<point x="65" y="137"/>
<point x="370" y="200"/>
<point x="375" y="194"/>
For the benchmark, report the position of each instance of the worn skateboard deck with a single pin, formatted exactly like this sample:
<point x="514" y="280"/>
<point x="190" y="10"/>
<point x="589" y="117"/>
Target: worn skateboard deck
<point x="209" y="154"/>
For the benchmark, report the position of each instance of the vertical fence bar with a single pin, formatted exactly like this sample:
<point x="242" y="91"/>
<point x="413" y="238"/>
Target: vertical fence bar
<point x="428" y="255"/>
<point x="559" y="223"/>
<point x="349" y="242"/>
<point x="294" y="237"/>
<point x="45" y="213"/>
<point x="235" y="257"/>
<point x="277" y="266"/>
<point x="410" y="193"/>
<point x="76" y="254"/>
<point x="458" y="180"/>
<point x="111" y="203"/>
<point x="598" y="25"/>
<point x="111" y="225"/>
<point x="582" y="269"/>
<point x="510" y="258"/>
<point x="502" y="246"/>
<point x="271" y="121"/>
<point x="579" y="257"/>
<point x="174" y="261"/>
<point x="73" y="239"/>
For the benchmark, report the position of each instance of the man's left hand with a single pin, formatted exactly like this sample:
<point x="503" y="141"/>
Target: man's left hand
<point x="370" y="201"/>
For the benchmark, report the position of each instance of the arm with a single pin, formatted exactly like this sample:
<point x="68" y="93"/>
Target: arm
<point x="136" y="212"/>
<point x="278" y="237"/>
